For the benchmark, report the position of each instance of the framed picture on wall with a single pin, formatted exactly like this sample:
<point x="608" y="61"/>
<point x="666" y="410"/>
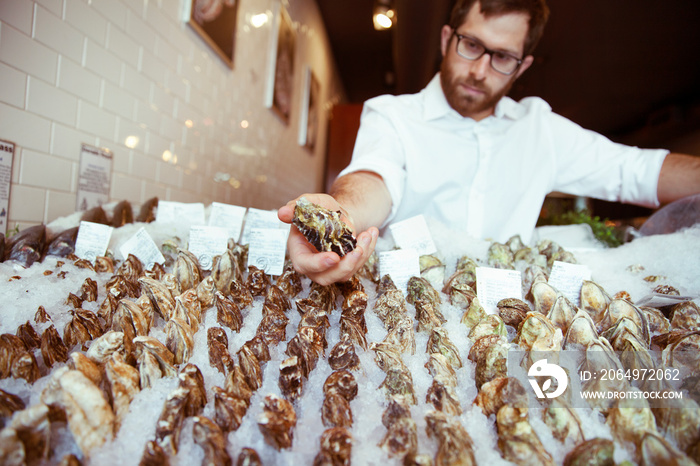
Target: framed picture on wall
<point x="310" y="110"/>
<point x="215" y="22"/>
<point x="280" y="76"/>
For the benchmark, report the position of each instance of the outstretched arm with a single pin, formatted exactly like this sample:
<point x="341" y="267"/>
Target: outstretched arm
<point x="364" y="202"/>
<point x="679" y="177"/>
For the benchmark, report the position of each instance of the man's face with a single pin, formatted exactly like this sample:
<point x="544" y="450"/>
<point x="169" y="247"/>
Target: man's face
<point x="472" y="87"/>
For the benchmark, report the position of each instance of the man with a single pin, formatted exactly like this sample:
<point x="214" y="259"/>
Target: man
<point x="463" y="153"/>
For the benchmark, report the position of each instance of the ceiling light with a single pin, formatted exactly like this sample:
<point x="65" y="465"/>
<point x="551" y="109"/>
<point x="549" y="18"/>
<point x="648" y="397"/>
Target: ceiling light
<point x="383" y="16"/>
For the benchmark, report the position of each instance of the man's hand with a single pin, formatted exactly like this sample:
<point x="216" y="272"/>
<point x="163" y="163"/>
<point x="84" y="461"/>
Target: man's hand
<point x="326" y="267"/>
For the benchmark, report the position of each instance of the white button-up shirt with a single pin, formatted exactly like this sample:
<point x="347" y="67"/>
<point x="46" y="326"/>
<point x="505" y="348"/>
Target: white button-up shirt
<point x="489" y="178"/>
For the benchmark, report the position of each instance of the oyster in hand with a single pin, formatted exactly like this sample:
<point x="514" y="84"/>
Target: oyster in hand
<point x="323" y="228"/>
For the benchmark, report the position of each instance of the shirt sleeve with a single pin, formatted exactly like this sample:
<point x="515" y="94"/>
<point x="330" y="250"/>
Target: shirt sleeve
<point x="378" y="149"/>
<point x="589" y="164"/>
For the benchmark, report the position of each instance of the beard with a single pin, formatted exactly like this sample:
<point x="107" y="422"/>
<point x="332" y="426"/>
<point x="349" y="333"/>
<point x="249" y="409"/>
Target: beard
<point x="469" y="105"/>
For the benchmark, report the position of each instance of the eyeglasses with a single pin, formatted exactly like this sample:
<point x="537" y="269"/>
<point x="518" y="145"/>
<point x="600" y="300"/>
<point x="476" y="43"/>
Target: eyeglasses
<point x="472" y="49"/>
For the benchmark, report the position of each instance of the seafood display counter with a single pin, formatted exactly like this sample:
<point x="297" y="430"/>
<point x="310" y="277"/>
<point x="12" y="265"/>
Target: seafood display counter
<point x="108" y="362"/>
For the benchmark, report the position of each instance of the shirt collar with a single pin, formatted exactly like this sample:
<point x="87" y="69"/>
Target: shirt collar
<point x="436" y="105"/>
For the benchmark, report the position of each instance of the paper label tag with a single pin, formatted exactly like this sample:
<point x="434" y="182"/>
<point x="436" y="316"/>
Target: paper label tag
<point x="92" y="240"/>
<point x="142" y="246"/>
<point x="568" y="278"/>
<point x="229" y="217"/>
<point x="265" y="219"/>
<point x="413" y="233"/>
<point x="207" y="242"/>
<point x="267" y="249"/>
<point x="661" y="300"/>
<point x="400" y="265"/>
<point x="169" y="212"/>
<point x="493" y="285"/>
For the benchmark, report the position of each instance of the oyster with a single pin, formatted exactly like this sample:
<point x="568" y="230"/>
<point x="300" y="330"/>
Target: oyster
<point x="594" y="300"/>
<point x="291" y="381"/>
<point x="336" y="447"/>
<point x="87" y="366"/>
<point x="439" y="342"/>
<point x="259" y="348"/>
<point x="399" y="382"/>
<point x="401" y="438"/>
<point x="499" y="392"/>
<point x="512" y="311"/>
<point x="630" y="419"/>
<point x="209" y="436"/>
<point x="227" y="313"/>
<point x="229" y="409"/>
<point x="219" y="356"/>
<point x="102" y="348"/>
<point x="323" y="228"/>
<point x="123" y="386"/>
<point x="653" y="450"/>
<point x="307" y="346"/>
<point x="206" y="292"/>
<point x="179" y="339"/>
<point x="186" y="270"/>
<point x="154" y="359"/>
<point x="250" y="367"/>
<point x="563" y="421"/>
<point x="169" y="424"/>
<point x="599" y="451"/>
<point x="223" y="269"/>
<point x="343" y="355"/>
<point x="517" y="440"/>
<point x="444" y="398"/>
<point x="277" y="422"/>
<point x="237" y="385"/>
<point x="28" y="436"/>
<point x="257" y="281"/>
<point x="90" y="418"/>
<point x="290" y="281"/>
<point x="440" y="369"/>
<point x="335" y="411"/>
<point x="9" y="403"/>
<point x="248" y="457"/>
<point x="53" y="349"/>
<point x="455" y="446"/>
<point x="341" y="382"/>
<point x="83" y="327"/>
<point x="500" y="256"/>
<point x="26" y="246"/>
<point x="163" y="302"/>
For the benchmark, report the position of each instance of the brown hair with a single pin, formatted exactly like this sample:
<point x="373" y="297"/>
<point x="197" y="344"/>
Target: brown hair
<point x="536" y="9"/>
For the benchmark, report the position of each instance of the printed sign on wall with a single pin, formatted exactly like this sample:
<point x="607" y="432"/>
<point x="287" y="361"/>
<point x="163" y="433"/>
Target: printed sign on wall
<point x="7" y="152"/>
<point x="94" y="177"/>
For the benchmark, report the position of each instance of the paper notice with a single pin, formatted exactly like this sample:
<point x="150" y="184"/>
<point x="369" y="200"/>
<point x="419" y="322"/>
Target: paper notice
<point x="265" y="219"/>
<point x="142" y="246"/>
<point x="179" y="212"/>
<point x="94" y="177"/>
<point x="493" y="285"/>
<point x="229" y="217"/>
<point x="206" y="243"/>
<point x="400" y="265"/>
<point x="7" y="151"/>
<point x="267" y="249"/>
<point x="92" y="240"/>
<point x="413" y="233"/>
<point x="568" y="278"/>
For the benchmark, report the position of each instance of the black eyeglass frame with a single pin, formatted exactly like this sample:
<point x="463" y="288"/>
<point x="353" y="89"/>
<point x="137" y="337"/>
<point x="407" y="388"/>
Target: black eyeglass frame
<point x="487" y="50"/>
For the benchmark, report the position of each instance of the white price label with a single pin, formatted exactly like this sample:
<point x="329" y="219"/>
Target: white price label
<point x="493" y="285"/>
<point x="413" y="233"/>
<point x="206" y="243"/>
<point x="400" y="265"/>
<point x="267" y="249"/>
<point x="92" y="240"/>
<point x="142" y="246"/>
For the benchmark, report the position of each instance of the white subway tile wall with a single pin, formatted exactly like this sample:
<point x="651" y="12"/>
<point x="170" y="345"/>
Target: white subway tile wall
<point x="131" y="76"/>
